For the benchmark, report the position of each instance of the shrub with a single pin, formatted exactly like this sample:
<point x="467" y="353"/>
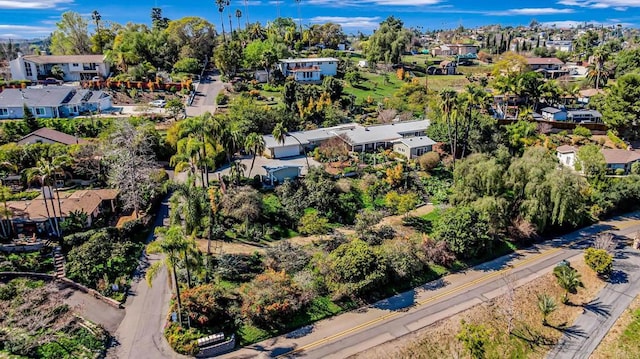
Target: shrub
<point x="183" y="341"/>
<point x="465" y="230"/>
<point x="271" y="298"/>
<point x="210" y="306"/>
<point x="437" y="252"/>
<point x="474" y="337"/>
<point x="222" y="99"/>
<point x="429" y="161"/>
<point x="254" y="93"/>
<point x="312" y="223"/>
<point x="401" y="259"/>
<point x="599" y="260"/>
<point x="617" y="141"/>
<point x="287" y="257"/>
<point x="582" y="131"/>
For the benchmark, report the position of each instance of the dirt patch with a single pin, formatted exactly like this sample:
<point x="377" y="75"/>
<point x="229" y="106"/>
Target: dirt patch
<point x="142" y="97"/>
<point x="529" y="337"/>
<point x="610" y="347"/>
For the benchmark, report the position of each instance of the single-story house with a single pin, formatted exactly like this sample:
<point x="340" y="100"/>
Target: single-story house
<point x="584" y="116"/>
<point x="309" y="69"/>
<point x="546" y="63"/>
<point x="412" y="147"/>
<point x="48" y="135"/>
<point x="454" y="50"/>
<point x="620" y="159"/>
<point x="586" y="95"/>
<point x="280" y="174"/>
<point x="560" y="45"/>
<point x="615" y="159"/>
<point x="30" y="216"/>
<point x="359" y="138"/>
<point x="553" y="114"/>
<point x="74" y="67"/>
<point x="51" y="102"/>
<point x="567" y="155"/>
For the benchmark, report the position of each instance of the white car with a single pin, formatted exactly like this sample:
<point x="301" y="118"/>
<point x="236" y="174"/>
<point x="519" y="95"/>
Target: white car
<point x="158" y="103"/>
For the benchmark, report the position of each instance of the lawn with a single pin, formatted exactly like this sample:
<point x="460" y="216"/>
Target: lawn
<point x="528" y="339"/>
<point x="622" y="340"/>
<point x="375" y="87"/>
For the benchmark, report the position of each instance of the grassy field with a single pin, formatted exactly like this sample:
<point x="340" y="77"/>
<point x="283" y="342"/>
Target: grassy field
<point x="622" y="340"/>
<point x="529" y="338"/>
<point x="375" y="87"/>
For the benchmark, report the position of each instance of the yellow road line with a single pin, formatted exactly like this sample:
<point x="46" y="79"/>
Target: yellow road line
<point x="627" y="224"/>
<point x="430" y="299"/>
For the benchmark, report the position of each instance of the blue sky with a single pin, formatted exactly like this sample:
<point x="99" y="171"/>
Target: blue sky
<point x="36" y="18"/>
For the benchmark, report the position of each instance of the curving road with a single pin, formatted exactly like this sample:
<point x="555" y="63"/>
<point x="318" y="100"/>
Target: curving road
<point x="357" y="331"/>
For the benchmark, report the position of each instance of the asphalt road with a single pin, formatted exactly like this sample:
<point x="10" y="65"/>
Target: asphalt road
<point x="206" y="93"/>
<point x="140" y="334"/>
<point x="599" y="315"/>
<point x="356" y="331"/>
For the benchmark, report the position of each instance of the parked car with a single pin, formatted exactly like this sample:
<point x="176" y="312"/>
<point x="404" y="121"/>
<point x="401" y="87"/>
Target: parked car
<point x="158" y="103"/>
<point x="96" y="78"/>
<point x="51" y="81"/>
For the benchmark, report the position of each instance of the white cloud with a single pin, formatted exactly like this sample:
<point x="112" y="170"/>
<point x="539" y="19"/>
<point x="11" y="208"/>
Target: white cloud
<point x="32" y="4"/>
<point x="619" y="5"/>
<point x="364" y="3"/>
<point x="349" y="22"/>
<point x="571" y="23"/>
<point x="531" y="11"/>
<point x="24" y="31"/>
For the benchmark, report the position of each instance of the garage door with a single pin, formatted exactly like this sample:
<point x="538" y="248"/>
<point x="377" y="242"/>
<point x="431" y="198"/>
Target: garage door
<point x="286" y="151"/>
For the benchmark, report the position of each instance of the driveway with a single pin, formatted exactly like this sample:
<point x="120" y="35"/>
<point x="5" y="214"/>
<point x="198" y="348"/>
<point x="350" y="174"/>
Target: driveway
<point x="599" y="315"/>
<point x="206" y="92"/>
<point x="92" y="308"/>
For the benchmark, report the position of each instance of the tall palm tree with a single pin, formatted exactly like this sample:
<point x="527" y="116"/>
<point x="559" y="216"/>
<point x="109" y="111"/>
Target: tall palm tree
<point x="448" y="100"/>
<point x="236" y="171"/>
<point x="215" y="197"/>
<point x="221" y="5"/>
<point x="96" y="17"/>
<point x="254" y="144"/>
<point x="280" y="134"/>
<point x="547" y="305"/>
<point x="246" y="14"/>
<point x="188" y="204"/>
<point x="600" y="56"/>
<point x="238" y="16"/>
<point x="45" y="173"/>
<point x="5" y="219"/>
<point x="299" y="16"/>
<point x="187" y="156"/>
<point x="170" y="242"/>
<point x="205" y="128"/>
<point x="229" y="139"/>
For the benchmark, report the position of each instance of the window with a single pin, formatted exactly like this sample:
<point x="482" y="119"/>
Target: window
<point x="4" y="111"/>
<point x="75" y="65"/>
<point x="28" y="69"/>
<point x="40" y="111"/>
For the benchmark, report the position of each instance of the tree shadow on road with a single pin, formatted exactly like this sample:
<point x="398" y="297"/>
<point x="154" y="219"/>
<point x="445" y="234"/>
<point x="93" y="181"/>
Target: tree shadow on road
<point x="618" y="277"/>
<point x="406" y="300"/>
<point x="277" y="351"/>
<point x="596" y="307"/>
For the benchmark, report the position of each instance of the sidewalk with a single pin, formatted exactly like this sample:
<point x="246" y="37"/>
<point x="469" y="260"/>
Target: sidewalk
<point x="581" y="339"/>
<point x="361" y="329"/>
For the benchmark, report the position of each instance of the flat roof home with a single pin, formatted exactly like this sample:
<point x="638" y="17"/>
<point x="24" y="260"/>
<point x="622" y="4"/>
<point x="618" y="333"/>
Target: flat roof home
<point x="48" y="135"/>
<point x="359" y="138"/>
<point x="309" y="69"/>
<point x="51" y="102"/>
<point x="584" y="116"/>
<point x="74" y="67"/>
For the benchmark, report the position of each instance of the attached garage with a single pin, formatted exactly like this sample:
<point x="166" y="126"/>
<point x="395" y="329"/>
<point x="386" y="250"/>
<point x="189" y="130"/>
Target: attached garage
<point x="286" y="151"/>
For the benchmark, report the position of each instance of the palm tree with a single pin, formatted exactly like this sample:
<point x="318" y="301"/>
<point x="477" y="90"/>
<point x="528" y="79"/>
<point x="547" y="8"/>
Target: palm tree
<point x="280" y="134"/>
<point x="188" y="207"/>
<point x="246" y="14"/>
<point x="96" y="17"/>
<point x="5" y="220"/>
<point x="236" y="171"/>
<point x="229" y="139"/>
<point x="170" y="242"/>
<point x="448" y="107"/>
<point x="45" y="172"/>
<point x="600" y="56"/>
<point x="191" y="258"/>
<point x="238" y="16"/>
<point x="187" y="156"/>
<point x="205" y="128"/>
<point x="547" y="305"/>
<point x="254" y="144"/>
<point x="568" y="279"/>
<point x="221" y="5"/>
<point x="299" y="16"/>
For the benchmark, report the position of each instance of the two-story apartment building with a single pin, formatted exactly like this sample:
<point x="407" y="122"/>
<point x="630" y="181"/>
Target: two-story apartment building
<point x="309" y="69"/>
<point x="74" y="67"/>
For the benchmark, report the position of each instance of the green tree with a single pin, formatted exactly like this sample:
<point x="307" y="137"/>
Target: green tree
<point x="388" y="42"/>
<point x="191" y="36"/>
<point x="599" y="260"/>
<point x="620" y="106"/>
<point x="189" y="207"/>
<point x="568" y="279"/>
<point x="175" y="107"/>
<point x="465" y="230"/>
<point x="547" y="305"/>
<point x="227" y="57"/>
<point x="170" y="242"/>
<point x="29" y="119"/>
<point x="591" y="161"/>
<point x="312" y="223"/>
<point x="333" y="87"/>
<point x="187" y="65"/>
<point x="353" y="77"/>
<point x="71" y="36"/>
<point x="582" y="131"/>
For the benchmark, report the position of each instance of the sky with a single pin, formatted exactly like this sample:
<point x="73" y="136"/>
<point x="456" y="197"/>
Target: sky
<point x="37" y="18"/>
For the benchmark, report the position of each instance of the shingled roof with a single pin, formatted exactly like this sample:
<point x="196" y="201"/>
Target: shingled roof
<point x="53" y="135"/>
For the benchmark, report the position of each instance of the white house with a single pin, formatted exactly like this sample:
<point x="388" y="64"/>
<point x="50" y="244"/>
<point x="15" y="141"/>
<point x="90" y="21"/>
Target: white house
<point x="358" y="138"/>
<point x="412" y="147"/>
<point x="567" y="155"/>
<point x="561" y="45"/>
<point x="51" y="102"/>
<point x="74" y="67"/>
<point x="309" y="69"/>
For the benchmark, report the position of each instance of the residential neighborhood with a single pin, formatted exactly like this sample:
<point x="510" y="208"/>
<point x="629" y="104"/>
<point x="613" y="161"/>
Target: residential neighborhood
<point x="305" y="179"/>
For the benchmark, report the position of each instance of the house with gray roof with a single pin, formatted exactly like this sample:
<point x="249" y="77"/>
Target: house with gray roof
<point x="309" y="69"/>
<point x="413" y="147"/>
<point x="358" y="138"/>
<point x="51" y="102"/>
<point x="74" y="67"/>
<point x="48" y="135"/>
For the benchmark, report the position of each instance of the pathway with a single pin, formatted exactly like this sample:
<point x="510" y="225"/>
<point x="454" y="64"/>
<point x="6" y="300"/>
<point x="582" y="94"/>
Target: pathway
<point x="206" y="92"/>
<point x="601" y="313"/>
